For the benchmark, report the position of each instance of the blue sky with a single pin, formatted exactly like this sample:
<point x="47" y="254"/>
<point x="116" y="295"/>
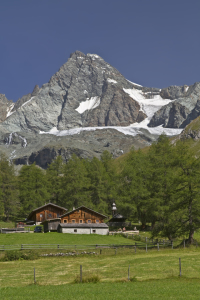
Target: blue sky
<point x="154" y="43"/>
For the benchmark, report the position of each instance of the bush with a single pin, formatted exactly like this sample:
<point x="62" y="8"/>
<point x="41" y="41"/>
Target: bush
<point x="19" y="255"/>
<point x="133" y="279"/>
<point x="93" y="278"/>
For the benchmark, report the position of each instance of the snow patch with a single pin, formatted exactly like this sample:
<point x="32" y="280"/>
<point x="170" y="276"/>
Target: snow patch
<point x="134" y="83"/>
<point x="28" y="101"/>
<point x="88" y="104"/>
<point x="111" y="80"/>
<point x="129" y="130"/>
<point x="85" y="92"/>
<point x="9" y="113"/>
<point x="148" y="106"/>
<point x="9" y="139"/>
<point x="186" y="89"/>
<point x="93" y="56"/>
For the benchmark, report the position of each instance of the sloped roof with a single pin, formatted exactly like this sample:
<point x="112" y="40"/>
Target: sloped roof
<point x="117" y="218"/>
<point x="43" y="206"/>
<point x="83" y="207"/>
<point x="83" y="225"/>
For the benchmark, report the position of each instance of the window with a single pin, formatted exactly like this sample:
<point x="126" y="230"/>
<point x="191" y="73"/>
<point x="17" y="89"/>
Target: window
<point x="89" y="221"/>
<point x="94" y="231"/>
<point x="50" y="215"/>
<point x="65" y="221"/>
<point x="97" y="221"/>
<point x="41" y="215"/>
<point x="75" y="230"/>
<point x="58" y="215"/>
<point x="80" y="221"/>
<point x="73" y="221"/>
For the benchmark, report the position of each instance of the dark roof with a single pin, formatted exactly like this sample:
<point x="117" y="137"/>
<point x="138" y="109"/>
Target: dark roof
<point x="57" y="206"/>
<point x="80" y="207"/>
<point x="117" y="218"/>
<point x="84" y="225"/>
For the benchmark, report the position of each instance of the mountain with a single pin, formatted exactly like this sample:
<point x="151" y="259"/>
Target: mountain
<point x="88" y="107"/>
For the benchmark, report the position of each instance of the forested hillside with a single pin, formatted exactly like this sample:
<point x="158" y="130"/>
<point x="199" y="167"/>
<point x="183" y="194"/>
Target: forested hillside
<point x="158" y="186"/>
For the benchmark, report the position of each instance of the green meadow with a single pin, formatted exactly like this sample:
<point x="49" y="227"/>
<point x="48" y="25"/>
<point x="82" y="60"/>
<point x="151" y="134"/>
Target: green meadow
<point x="153" y="274"/>
<point x="157" y="289"/>
<point x="59" y="238"/>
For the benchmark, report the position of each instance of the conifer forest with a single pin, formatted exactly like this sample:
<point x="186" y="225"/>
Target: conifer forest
<point x="159" y="185"/>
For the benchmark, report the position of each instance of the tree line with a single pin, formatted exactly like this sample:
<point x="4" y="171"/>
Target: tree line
<point x="160" y="186"/>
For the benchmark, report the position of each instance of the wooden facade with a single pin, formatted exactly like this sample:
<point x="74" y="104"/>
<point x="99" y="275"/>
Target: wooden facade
<point x="46" y="212"/>
<point x="82" y="215"/>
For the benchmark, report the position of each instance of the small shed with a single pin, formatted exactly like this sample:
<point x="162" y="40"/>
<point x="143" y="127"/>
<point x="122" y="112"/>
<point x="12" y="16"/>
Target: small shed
<point x="85" y="228"/>
<point x="51" y="225"/>
<point x="117" y="220"/>
<point x="46" y="212"/>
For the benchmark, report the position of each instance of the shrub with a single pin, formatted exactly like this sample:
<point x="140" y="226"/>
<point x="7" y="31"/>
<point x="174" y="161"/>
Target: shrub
<point x="133" y="279"/>
<point x="19" y="255"/>
<point x="92" y="278"/>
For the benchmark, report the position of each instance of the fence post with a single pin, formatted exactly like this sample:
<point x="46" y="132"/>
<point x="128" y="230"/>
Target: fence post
<point x="172" y="244"/>
<point x="129" y="272"/>
<point x="146" y="239"/>
<point x="146" y="247"/>
<point x="179" y="266"/>
<point x="34" y="277"/>
<point x="80" y="273"/>
<point x="100" y="251"/>
<point x="158" y="246"/>
<point x="58" y="246"/>
<point x="21" y="246"/>
<point x="184" y="244"/>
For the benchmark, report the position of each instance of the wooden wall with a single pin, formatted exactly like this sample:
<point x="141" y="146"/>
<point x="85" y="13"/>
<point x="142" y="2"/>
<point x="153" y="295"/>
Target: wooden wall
<point x="83" y="216"/>
<point x="46" y="213"/>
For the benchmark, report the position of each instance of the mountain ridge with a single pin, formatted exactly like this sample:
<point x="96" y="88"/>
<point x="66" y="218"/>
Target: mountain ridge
<point x="87" y="94"/>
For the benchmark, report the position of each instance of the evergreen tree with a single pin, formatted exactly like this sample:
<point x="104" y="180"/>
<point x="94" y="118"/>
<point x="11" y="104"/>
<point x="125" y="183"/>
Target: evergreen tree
<point x="32" y="188"/>
<point x="75" y="184"/>
<point x="186" y="196"/>
<point x="54" y="178"/>
<point x="9" y="201"/>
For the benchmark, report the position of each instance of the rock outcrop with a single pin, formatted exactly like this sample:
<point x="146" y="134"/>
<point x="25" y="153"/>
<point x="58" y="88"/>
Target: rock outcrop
<point x="181" y="111"/>
<point x="5" y="107"/>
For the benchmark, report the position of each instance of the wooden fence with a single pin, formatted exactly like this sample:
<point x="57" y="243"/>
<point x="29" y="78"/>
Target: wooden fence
<point x="139" y="245"/>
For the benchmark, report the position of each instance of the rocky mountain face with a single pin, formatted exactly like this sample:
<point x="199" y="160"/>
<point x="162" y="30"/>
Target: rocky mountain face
<point x="182" y="110"/>
<point x="5" y="107"/>
<point x="88" y="107"/>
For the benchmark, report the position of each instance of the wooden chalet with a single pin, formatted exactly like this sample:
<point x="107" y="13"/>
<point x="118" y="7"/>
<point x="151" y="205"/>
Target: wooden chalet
<point x="83" y="220"/>
<point x="46" y="212"/>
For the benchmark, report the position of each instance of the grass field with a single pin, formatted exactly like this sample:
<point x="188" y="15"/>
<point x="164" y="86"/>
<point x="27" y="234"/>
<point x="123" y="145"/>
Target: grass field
<point x="109" y="267"/>
<point x="157" y="289"/>
<point x="155" y="274"/>
<point x="59" y="238"/>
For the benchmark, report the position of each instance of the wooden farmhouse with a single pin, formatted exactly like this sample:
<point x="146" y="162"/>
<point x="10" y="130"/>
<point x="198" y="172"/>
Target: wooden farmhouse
<point x="83" y="220"/>
<point x="46" y="212"/>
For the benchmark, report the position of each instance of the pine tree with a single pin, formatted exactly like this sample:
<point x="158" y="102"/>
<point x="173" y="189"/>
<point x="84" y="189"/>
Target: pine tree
<point x="32" y="188"/>
<point x="54" y="175"/>
<point x="9" y="201"/>
<point x="75" y="184"/>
